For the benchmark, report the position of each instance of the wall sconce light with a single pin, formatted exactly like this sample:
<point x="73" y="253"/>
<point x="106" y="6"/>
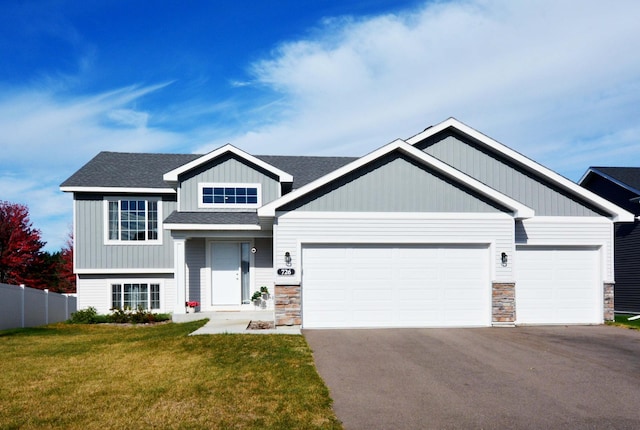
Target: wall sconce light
<point x="287" y="258"/>
<point x="504" y="258"/>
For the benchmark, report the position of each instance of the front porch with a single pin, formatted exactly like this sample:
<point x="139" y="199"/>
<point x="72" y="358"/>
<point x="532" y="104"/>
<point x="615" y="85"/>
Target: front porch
<point x="234" y="322"/>
<point x="253" y="315"/>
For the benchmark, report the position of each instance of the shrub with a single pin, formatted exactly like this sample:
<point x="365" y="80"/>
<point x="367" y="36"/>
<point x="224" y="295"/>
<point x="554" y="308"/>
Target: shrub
<point x="85" y="316"/>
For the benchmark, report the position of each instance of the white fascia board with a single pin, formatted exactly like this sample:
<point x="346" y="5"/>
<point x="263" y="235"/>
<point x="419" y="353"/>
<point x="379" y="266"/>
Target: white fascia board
<point x="269" y="209"/>
<point x="118" y="190"/>
<point x="395" y="215"/>
<point x="618" y="214"/>
<point x="217" y="227"/>
<point x="520" y="210"/>
<point x="172" y="176"/>
<point x="124" y="272"/>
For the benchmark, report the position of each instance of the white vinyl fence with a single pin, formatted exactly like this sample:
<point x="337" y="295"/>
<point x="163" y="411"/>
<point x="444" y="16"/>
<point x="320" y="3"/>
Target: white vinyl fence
<point x="21" y="306"/>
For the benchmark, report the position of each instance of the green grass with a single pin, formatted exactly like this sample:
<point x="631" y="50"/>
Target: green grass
<point x="623" y="320"/>
<point x="100" y="376"/>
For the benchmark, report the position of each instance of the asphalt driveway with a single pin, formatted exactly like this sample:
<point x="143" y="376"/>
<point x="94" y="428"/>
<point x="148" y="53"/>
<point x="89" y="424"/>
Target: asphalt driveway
<point x="574" y="377"/>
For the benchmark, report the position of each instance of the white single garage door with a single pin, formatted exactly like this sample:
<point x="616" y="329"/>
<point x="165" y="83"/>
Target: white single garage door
<point x="558" y="285"/>
<point x="395" y="286"/>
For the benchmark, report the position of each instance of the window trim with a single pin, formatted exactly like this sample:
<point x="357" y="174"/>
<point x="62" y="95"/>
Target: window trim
<point x="203" y="185"/>
<point x="119" y="241"/>
<point x="148" y="282"/>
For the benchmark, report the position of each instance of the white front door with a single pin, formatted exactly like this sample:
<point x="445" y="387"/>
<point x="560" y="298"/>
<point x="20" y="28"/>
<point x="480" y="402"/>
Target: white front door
<point x="225" y="273"/>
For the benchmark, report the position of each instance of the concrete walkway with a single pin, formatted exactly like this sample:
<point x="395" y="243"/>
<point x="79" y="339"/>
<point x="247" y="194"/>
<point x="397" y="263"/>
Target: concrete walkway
<point x="234" y="322"/>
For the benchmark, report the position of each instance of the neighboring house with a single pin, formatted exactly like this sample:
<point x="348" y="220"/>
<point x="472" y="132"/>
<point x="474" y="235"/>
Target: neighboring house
<point x="621" y="185"/>
<point x="446" y="228"/>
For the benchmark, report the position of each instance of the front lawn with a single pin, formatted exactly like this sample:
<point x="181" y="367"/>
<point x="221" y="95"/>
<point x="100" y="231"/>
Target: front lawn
<point x="96" y="377"/>
<point x="623" y="320"/>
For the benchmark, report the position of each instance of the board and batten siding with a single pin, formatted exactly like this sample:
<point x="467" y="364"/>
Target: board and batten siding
<point x="394" y="183"/>
<point x="226" y="169"/>
<point x="295" y="229"/>
<point x="196" y="267"/>
<point x="95" y="290"/>
<point x="263" y="270"/>
<point x="505" y="177"/>
<point x="91" y="252"/>
<point x="570" y="231"/>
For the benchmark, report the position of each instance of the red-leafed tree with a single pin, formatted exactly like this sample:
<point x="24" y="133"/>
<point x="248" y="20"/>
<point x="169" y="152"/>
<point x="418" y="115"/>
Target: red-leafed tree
<point x="66" y="277"/>
<point x="20" y="246"/>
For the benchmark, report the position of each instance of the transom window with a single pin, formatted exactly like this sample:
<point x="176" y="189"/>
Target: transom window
<point x="134" y="296"/>
<point x="229" y="195"/>
<point x="132" y="220"/>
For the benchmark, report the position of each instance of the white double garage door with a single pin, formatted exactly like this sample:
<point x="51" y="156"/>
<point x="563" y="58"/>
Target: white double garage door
<point x="443" y="286"/>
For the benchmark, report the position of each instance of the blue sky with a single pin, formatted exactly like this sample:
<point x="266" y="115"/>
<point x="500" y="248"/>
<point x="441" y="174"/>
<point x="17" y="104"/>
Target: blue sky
<point x="558" y="81"/>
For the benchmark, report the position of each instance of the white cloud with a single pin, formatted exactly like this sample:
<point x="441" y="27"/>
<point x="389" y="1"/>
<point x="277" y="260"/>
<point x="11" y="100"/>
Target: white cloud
<point x="46" y="137"/>
<point x="556" y="80"/>
<point x="539" y="76"/>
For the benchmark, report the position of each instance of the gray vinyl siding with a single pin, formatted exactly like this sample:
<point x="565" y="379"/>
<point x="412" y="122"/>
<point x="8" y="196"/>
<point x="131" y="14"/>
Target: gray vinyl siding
<point x="505" y="177"/>
<point x="264" y="273"/>
<point x="92" y="253"/>
<point x="195" y="260"/>
<point x="394" y="184"/>
<point x="226" y="169"/>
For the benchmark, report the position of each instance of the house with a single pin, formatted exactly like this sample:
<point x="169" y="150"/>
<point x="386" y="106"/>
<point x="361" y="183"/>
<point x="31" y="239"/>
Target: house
<point x="621" y="185"/>
<point x="446" y="228"/>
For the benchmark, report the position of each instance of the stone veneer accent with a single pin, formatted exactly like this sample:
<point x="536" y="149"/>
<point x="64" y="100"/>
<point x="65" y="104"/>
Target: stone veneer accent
<point x="503" y="303"/>
<point x="287" y="305"/>
<point x="608" y="301"/>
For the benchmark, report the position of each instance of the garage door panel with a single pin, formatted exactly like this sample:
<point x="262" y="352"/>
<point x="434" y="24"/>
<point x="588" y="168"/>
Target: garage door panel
<point x="558" y="285"/>
<point x="397" y="286"/>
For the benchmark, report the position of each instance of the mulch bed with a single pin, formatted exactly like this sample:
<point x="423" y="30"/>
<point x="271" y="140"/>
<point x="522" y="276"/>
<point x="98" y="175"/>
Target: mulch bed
<point x="261" y="325"/>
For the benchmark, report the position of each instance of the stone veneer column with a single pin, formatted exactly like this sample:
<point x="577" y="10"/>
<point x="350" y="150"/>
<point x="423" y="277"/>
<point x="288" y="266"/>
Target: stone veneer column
<point x="503" y="303"/>
<point x="608" y="301"/>
<point x="287" y="305"/>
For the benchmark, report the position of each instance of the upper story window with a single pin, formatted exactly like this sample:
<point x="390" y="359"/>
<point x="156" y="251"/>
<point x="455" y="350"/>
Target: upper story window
<point x="229" y="195"/>
<point x="133" y="220"/>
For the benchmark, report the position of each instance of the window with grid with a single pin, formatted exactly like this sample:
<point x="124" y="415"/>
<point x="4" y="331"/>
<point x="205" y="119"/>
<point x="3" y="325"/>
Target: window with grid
<point x="135" y="295"/>
<point x="133" y="220"/>
<point x="229" y="195"/>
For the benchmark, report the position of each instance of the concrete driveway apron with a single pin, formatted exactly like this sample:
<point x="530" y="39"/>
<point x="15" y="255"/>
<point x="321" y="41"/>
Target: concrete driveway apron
<point x="569" y="377"/>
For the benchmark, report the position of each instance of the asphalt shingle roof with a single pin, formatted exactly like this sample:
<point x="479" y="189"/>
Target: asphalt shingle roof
<point x="627" y="175"/>
<point x="145" y="170"/>
<point x="249" y="218"/>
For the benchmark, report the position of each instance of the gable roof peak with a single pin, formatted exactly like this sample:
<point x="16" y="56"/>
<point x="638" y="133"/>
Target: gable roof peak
<point x="172" y="176"/>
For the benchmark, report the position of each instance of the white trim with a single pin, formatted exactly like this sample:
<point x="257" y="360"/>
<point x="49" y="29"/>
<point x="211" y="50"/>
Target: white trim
<point x="107" y="241"/>
<point x="148" y="281"/>
<point x="120" y="190"/>
<point x="172" y="176"/>
<point x="520" y="211"/>
<point x="204" y="227"/>
<point x="394" y="215"/>
<point x="570" y="220"/>
<point x="618" y="214"/>
<point x="202" y="185"/>
<point x="124" y="271"/>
